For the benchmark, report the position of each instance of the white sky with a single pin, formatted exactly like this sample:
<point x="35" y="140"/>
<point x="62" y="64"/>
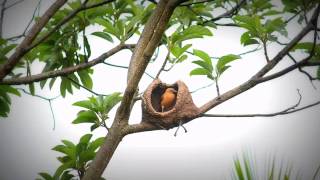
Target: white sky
<point x="205" y="152"/>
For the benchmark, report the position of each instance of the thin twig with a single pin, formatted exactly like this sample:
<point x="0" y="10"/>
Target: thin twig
<point x="126" y="67"/>
<point x="264" y="44"/>
<point x="46" y="99"/>
<point x="89" y="90"/>
<point x="311" y="79"/>
<point x="203" y="87"/>
<point x="163" y="65"/>
<point x="193" y="3"/>
<point x="289" y="110"/>
<point x="2" y="10"/>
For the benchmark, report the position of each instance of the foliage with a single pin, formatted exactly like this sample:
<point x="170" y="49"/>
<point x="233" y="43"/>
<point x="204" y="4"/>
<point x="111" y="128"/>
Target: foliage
<point x="97" y="109"/>
<point x="76" y="157"/>
<point x="206" y="67"/>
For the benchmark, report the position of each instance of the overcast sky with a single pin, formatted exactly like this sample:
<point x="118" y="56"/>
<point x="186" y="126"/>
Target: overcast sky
<point x="205" y="152"/>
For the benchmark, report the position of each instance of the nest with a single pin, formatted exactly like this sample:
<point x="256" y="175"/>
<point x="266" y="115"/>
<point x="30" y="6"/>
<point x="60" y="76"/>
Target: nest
<point x="183" y="108"/>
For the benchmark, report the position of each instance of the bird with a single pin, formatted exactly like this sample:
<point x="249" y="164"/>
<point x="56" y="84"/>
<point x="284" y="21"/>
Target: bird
<point x="168" y="99"/>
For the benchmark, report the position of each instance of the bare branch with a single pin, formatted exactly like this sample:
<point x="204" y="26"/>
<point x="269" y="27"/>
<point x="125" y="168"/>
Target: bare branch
<point x="87" y="89"/>
<point x="265" y="51"/>
<point x="198" y="2"/>
<point x="163" y="65"/>
<point x="32" y="34"/>
<point x="2" y="10"/>
<point x="283" y="112"/>
<point x="67" y="70"/>
<point x="301" y="70"/>
<point x="203" y="87"/>
<point x="263" y="115"/>
<point x="126" y="67"/>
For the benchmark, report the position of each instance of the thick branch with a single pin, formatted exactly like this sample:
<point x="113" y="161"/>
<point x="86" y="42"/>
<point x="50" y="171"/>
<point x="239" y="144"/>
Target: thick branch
<point x="32" y="34"/>
<point x="67" y="70"/>
<point x="253" y="81"/>
<point x="146" y="46"/>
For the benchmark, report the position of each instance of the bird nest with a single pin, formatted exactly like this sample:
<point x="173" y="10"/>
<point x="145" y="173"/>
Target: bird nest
<point x="182" y="109"/>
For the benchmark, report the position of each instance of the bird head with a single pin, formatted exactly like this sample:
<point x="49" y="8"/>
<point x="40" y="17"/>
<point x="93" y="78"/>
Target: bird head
<point x="171" y="90"/>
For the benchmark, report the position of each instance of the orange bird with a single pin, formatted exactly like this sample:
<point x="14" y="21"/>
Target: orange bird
<point x="168" y="98"/>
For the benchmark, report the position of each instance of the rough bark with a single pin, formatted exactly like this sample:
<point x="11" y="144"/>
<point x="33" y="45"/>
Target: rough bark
<point x="146" y="46"/>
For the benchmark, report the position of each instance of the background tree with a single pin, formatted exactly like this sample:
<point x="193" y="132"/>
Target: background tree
<point x="59" y="40"/>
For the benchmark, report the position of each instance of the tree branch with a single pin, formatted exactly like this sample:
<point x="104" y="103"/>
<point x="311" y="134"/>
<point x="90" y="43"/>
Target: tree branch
<point x="289" y="110"/>
<point x="27" y="45"/>
<point x="142" y="54"/>
<point x="126" y="67"/>
<point x="2" y="10"/>
<point x="229" y="13"/>
<point x="253" y="81"/>
<point x="32" y="34"/>
<point x="192" y="3"/>
<point x="163" y="65"/>
<point x="67" y="70"/>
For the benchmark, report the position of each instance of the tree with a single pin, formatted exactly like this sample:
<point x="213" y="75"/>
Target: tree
<point x="54" y="39"/>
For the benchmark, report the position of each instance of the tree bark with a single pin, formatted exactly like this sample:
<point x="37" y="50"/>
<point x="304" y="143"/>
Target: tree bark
<point x="148" y="42"/>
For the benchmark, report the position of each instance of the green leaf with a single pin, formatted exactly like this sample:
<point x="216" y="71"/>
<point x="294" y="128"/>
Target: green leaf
<point x="31" y="89"/>
<point x="199" y="71"/>
<point x="62" y="168"/>
<point x="103" y="35"/>
<point x="204" y="65"/>
<point x="182" y="58"/>
<point x="7" y="49"/>
<point x="60" y="148"/>
<point x="96" y="144"/>
<point x="194" y="31"/>
<point x="85" y="138"/>
<point x="247" y="40"/>
<point x="86" y="117"/>
<point x="68" y="143"/>
<point x="46" y="176"/>
<point x="178" y="51"/>
<point x="111" y="100"/>
<point x="85" y="79"/>
<point x="224" y="60"/>
<point x="9" y="89"/>
<point x="204" y="56"/>
<point x="86" y="156"/>
<point x="94" y="126"/>
<point x="85" y="104"/>
<point x="87" y="46"/>
<point x="66" y="176"/>
<point x="63" y="87"/>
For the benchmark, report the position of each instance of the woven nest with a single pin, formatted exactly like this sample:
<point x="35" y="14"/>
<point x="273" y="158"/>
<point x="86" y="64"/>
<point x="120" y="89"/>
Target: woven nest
<point x="183" y="107"/>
